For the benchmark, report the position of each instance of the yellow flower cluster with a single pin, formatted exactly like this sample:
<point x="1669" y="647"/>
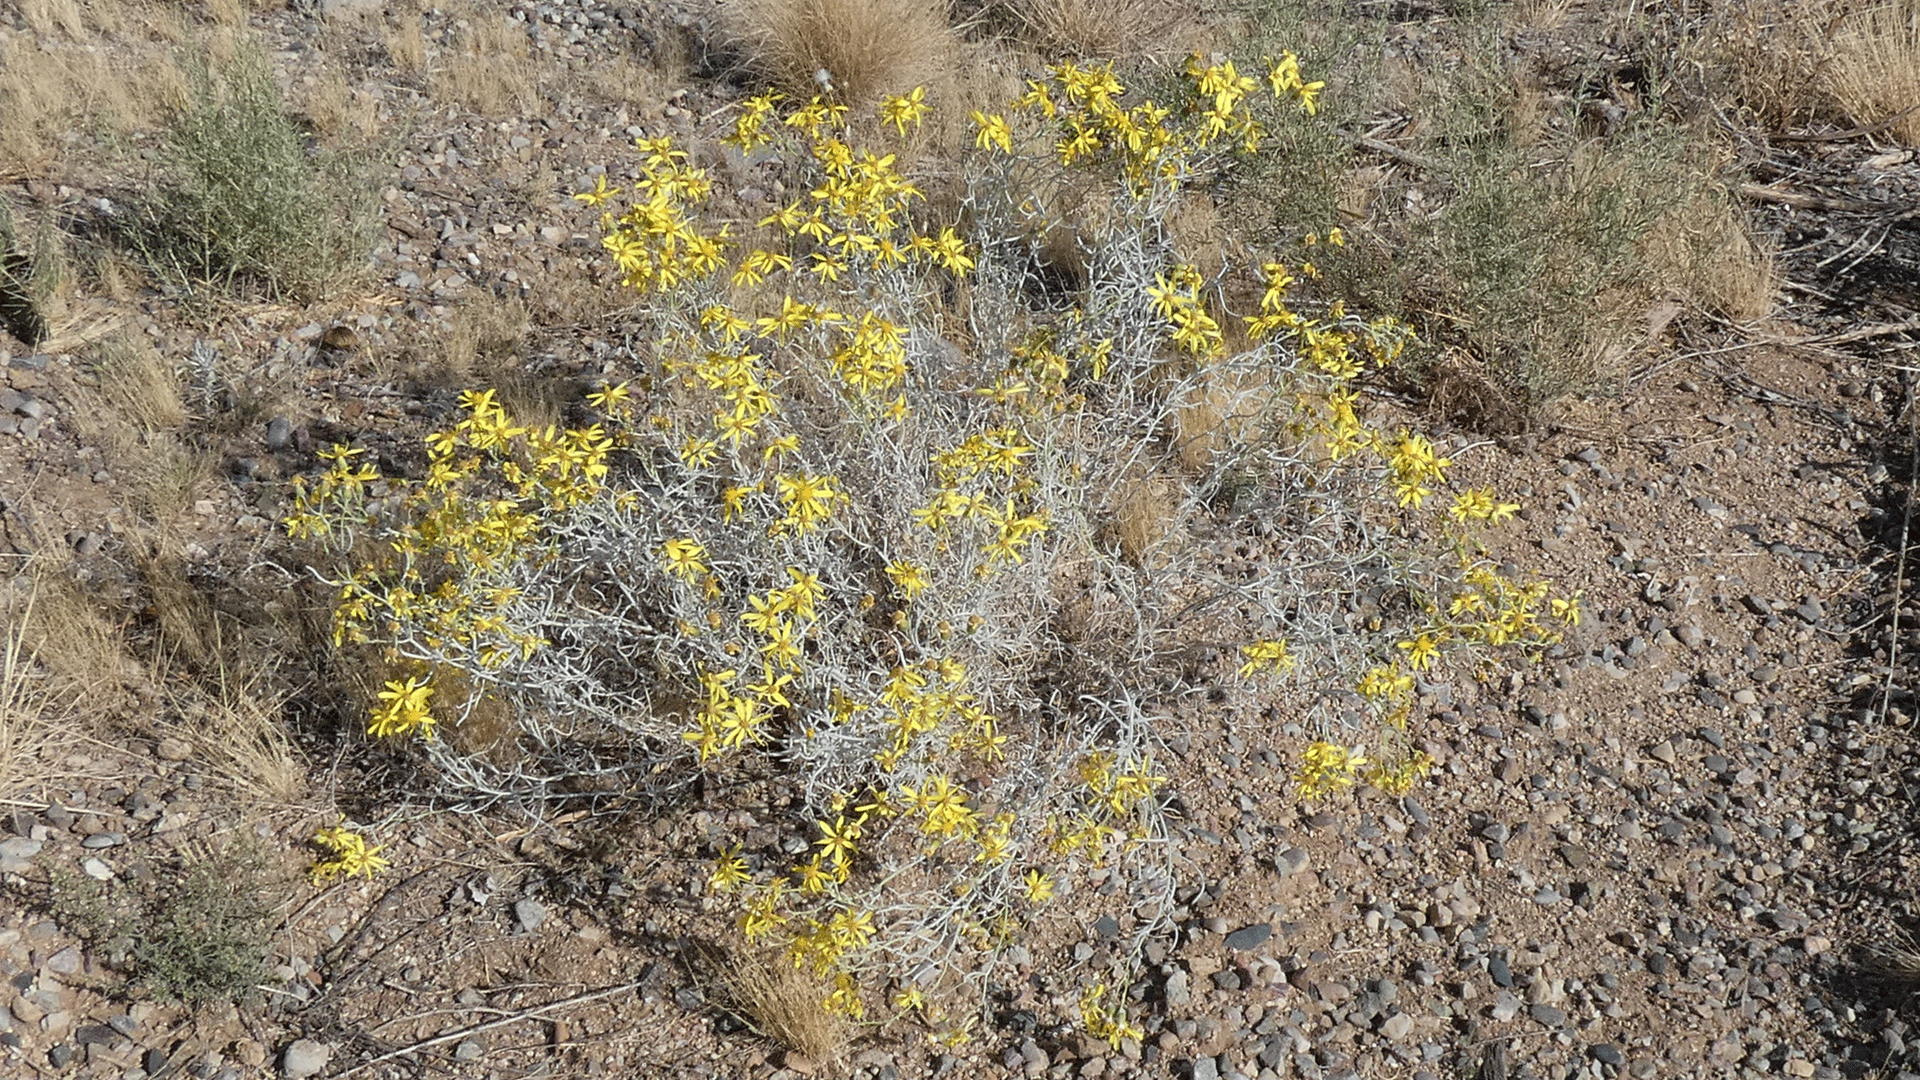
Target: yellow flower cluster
<point x="1104" y="1021"/>
<point x="445" y="580"/>
<point x="656" y="241"/>
<point x="1327" y="767"/>
<point x="1266" y="656"/>
<point x="347" y="854"/>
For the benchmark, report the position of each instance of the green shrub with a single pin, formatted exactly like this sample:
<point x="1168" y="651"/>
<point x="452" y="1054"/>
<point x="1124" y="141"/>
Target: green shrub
<point x="839" y="534"/>
<point x="243" y="205"/>
<point x="200" y="932"/>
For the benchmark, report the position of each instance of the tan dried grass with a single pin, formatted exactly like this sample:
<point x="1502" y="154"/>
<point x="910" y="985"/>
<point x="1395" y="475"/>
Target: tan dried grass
<point x="1769" y="58"/>
<point x="1146" y="515"/>
<point x="406" y="44"/>
<point x="1875" y="68"/>
<point x="35" y="717"/>
<point x="776" y="1000"/>
<point x="867" y="49"/>
<point x="1709" y="256"/>
<point x="138" y="385"/>
<point x="233" y="718"/>
<point x="55" y="16"/>
<point x="1106" y="29"/>
<point x="488" y="69"/>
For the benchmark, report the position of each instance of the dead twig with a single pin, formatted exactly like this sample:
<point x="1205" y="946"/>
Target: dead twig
<point x="1843" y="136"/>
<point x="1802" y="201"/>
<point x="538" y="1012"/>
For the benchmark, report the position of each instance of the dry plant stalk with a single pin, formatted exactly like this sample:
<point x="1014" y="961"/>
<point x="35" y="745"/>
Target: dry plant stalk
<point x="55" y="16"/>
<point x="1875" y="70"/>
<point x="407" y="44"/>
<point x="137" y="384"/>
<point x="233" y="722"/>
<point x="34" y="717"/>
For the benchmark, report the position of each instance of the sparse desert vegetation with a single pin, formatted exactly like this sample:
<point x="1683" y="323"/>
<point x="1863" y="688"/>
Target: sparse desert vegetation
<point x="797" y="537"/>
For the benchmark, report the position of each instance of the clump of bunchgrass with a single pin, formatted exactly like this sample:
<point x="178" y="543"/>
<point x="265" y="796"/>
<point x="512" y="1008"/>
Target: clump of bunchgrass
<point x="815" y="528"/>
<point x="773" y="999"/>
<point x="857" y="49"/>
<point x="1875" y="69"/>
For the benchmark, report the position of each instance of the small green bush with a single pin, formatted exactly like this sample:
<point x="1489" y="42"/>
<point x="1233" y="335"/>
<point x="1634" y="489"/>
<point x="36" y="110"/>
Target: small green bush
<point x="200" y="933"/>
<point x="243" y="205"/>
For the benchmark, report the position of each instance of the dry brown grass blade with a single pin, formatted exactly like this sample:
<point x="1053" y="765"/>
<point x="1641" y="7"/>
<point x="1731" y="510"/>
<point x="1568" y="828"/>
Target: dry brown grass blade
<point x="1095" y="28"/>
<point x="233" y="721"/>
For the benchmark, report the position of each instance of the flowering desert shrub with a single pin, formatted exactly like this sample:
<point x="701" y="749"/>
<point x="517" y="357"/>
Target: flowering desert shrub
<point x="823" y="534"/>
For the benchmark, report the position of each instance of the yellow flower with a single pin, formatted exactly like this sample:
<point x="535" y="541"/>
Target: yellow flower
<point x="911" y="579"/>
<point x="991" y="131"/>
<point x="683" y="558"/>
<point x="348" y="854"/>
<point x="1567" y="610"/>
<point x="1421" y="651"/>
<point x="403" y="709"/>
<point x="837" y="838"/>
<point x="600" y="193"/>
<point x="1037" y="886"/>
<point x="1266" y="655"/>
<point x="729" y="871"/>
<point x="905" y="109"/>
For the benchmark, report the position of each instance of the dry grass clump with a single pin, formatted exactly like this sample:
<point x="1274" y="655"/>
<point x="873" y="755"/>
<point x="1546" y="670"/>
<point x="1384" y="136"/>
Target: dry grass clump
<point x="233" y="721"/>
<point x="1765" y="57"/>
<point x="48" y="93"/>
<point x="776" y="1000"/>
<point x="866" y="48"/>
<point x="1712" y="258"/>
<point x="1093" y="28"/>
<point x="1146" y="514"/>
<point x="55" y="16"/>
<point x="36" y="722"/>
<point x="488" y="69"/>
<point x="1875" y="70"/>
<point x="406" y="43"/>
<point x="138" y="385"/>
<point x="73" y="641"/>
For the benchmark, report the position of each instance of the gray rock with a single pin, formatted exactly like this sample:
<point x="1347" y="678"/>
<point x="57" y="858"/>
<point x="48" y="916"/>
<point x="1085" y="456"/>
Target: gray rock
<point x="15" y="853"/>
<point x="1547" y="1015"/>
<point x="1250" y="937"/>
<point x="1605" y="1054"/>
<point x="96" y="869"/>
<point x="104" y="840"/>
<point x="1206" y="1068"/>
<point x="64" y="962"/>
<point x="1397" y="1026"/>
<point x="92" y="1034"/>
<point x="1290" y="861"/>
<point x="279" y="433"/>
<point x="469" y="1050"/>
<point x="304" y="1058"/>
<point x="1179" y="991"/>
<point x="530" y="913"/>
